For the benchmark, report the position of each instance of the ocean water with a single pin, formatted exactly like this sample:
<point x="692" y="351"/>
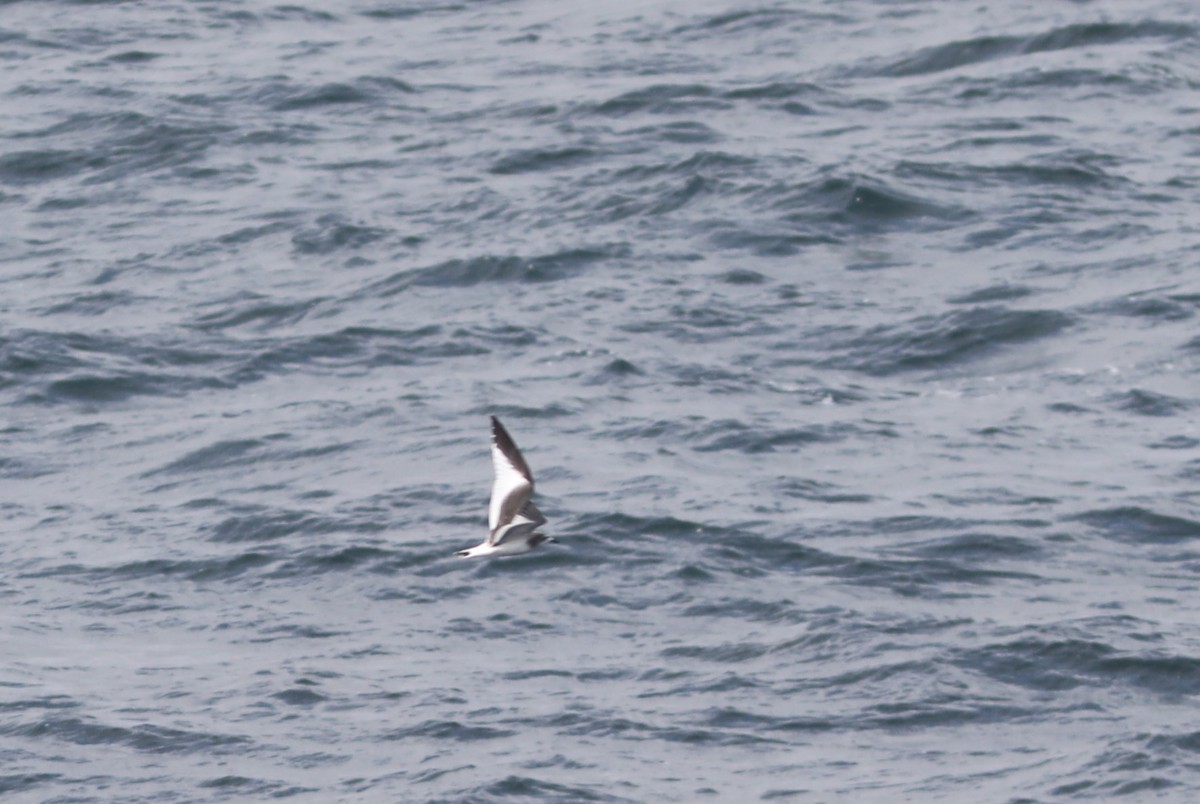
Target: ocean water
<point x="854" y="346"/>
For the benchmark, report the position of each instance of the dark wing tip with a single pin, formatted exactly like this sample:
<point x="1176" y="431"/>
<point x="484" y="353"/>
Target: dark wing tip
<point x="504" y="441"/>
<point x="499" y="433"/>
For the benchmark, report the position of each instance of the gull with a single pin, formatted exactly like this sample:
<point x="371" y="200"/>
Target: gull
<point x="513" y="519"/>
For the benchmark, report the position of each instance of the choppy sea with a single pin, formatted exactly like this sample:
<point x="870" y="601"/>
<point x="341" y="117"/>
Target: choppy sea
<point x="854" y="345"/>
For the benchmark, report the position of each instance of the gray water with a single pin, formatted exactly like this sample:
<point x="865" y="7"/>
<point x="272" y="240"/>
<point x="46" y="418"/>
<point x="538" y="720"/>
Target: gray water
<point x="853" y="346"/>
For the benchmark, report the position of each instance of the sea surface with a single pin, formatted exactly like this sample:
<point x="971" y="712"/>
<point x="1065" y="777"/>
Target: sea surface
<point x="855" y="347"/>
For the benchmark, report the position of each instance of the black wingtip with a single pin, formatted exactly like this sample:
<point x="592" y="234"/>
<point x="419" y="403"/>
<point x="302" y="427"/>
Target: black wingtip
<point x="504" y="441"/>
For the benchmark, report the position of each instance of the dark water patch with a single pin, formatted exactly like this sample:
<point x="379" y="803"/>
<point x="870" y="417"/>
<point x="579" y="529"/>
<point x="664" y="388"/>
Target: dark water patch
<point x="749" y="609"/>
<point x="523" y="675"/>
<point x="999" y="496"/>
<point x="1148" y="403"/>
<point x="1080" y="170"/>
<point x="105" y="389"/>
<point x="132" y="603"/>
<point x="71" y="367"/>
<point x="776" y="91"/>
<point x="392" y="11"/>
<point x="889" y="675"/>
<point x="357" y="349"/>
<point x="747" y="553"/>
<point x="93" y="304"/>
<point x="1061" y="664"/>
<point x="330" y="233"/>
<point x="854" y="202"/>
<point x="537" y="160"/>
<point x="20" y="782"/>
<point x="248" y="234"/>
<point x="658" y="199"/>
<point x="693" y="573"/>
<point x="282" y="96"/>
<point x="58" y="204"/>
<point x="47" y="702"/>
<point x="946" y="340"/>
<point x="733" y="435"/>
<point x="595" y="598"/>
<point x="300" y="697"/>
<point x="1176" y="442"/>
<point x="157" y="145"/>
<point x="703" y="323"/>
<point x="283" y="632"/>
<point x="705" y="164"/>
<point x="766" y="241"/>
<point x="931" y="578"/>
<point x="1156" y="308"/>
<point x="221" y="455"/>
<point x="245" y="452"/>
<point x="977" y="547"/>
<point x="1047" y="171"/>
<point x="915" y="524"/>
<point x="675" y="99"/>
<point x="817" y="491"/>
<point x="1069" y="408"/>
<point x="625" y="526"/>
<point x="993" y="294"/>
<point x="730" y="718"/>
<point x="480" y="270"/>
<point x="726" y="683"/>
<point x="339" y="559"/>
<point x="448" y="730"/>
<point x="1187" y="743"/>
<point x="134" y="57"/>
<point x="212" y="569"/>
<point x="297" y="12"/>
<point x="732" y="653"/>
<point x="877" y="203"/>
<point x="552" y="410"/>
<point x="268" y="525"/>
<point x="742" y="20"/>
<point x="147" y="738"/>
<point x="616" y="371"/>
<point x="525" y="788"/>
<point x="245" y="786"/>
<point x="24" y="468"/>
<point x="256" y="311"/>
<point x="952" y="712"/>
<point x="989" y="48"/>
<point x="1140" y="525"/>
<point x="604" y="726"/>
<point x="413" y="495"/>
<point x="742" y="276"/>
<point x="1038" y="82"/>
<point x="36" y="166"/>
<point x="709" y="737"/>
<point x="679" y="132"/>
<point x="279" y="134"/>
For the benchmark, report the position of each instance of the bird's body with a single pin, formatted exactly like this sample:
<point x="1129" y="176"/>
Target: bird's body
<point x="513" y="519"/>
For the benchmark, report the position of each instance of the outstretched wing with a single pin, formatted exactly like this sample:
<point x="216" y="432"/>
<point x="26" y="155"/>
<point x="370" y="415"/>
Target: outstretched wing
<point x="521" y="525"/>
<point x="512" y="488"/>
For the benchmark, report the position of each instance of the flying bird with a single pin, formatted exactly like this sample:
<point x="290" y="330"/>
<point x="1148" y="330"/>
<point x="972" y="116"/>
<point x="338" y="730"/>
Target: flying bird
<point x="513" y="519"/>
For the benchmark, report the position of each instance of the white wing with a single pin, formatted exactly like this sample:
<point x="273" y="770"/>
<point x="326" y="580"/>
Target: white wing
<point x="513" y="485"/>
